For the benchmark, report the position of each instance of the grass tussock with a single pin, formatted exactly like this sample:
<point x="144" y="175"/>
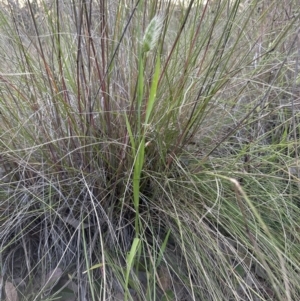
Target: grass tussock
<point x="149" y="150"/>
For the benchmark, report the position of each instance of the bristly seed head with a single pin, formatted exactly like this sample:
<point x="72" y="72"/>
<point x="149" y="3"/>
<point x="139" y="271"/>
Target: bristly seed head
<point x="152" y="33"/>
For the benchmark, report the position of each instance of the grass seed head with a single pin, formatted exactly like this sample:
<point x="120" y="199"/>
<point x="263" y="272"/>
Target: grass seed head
<point x="152" y="33"/>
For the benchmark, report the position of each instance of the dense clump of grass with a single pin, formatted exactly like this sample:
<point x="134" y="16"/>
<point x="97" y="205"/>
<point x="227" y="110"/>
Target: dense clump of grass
<point x="149" y="150"/>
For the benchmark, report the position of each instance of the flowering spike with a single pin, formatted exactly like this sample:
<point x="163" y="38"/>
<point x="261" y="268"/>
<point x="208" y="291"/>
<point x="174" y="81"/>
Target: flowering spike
<point x="152" y="33"/>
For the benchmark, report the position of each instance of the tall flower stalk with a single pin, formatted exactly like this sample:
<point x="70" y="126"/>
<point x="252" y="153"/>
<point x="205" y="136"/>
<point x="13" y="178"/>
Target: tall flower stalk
<point x="149" y="42"/>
